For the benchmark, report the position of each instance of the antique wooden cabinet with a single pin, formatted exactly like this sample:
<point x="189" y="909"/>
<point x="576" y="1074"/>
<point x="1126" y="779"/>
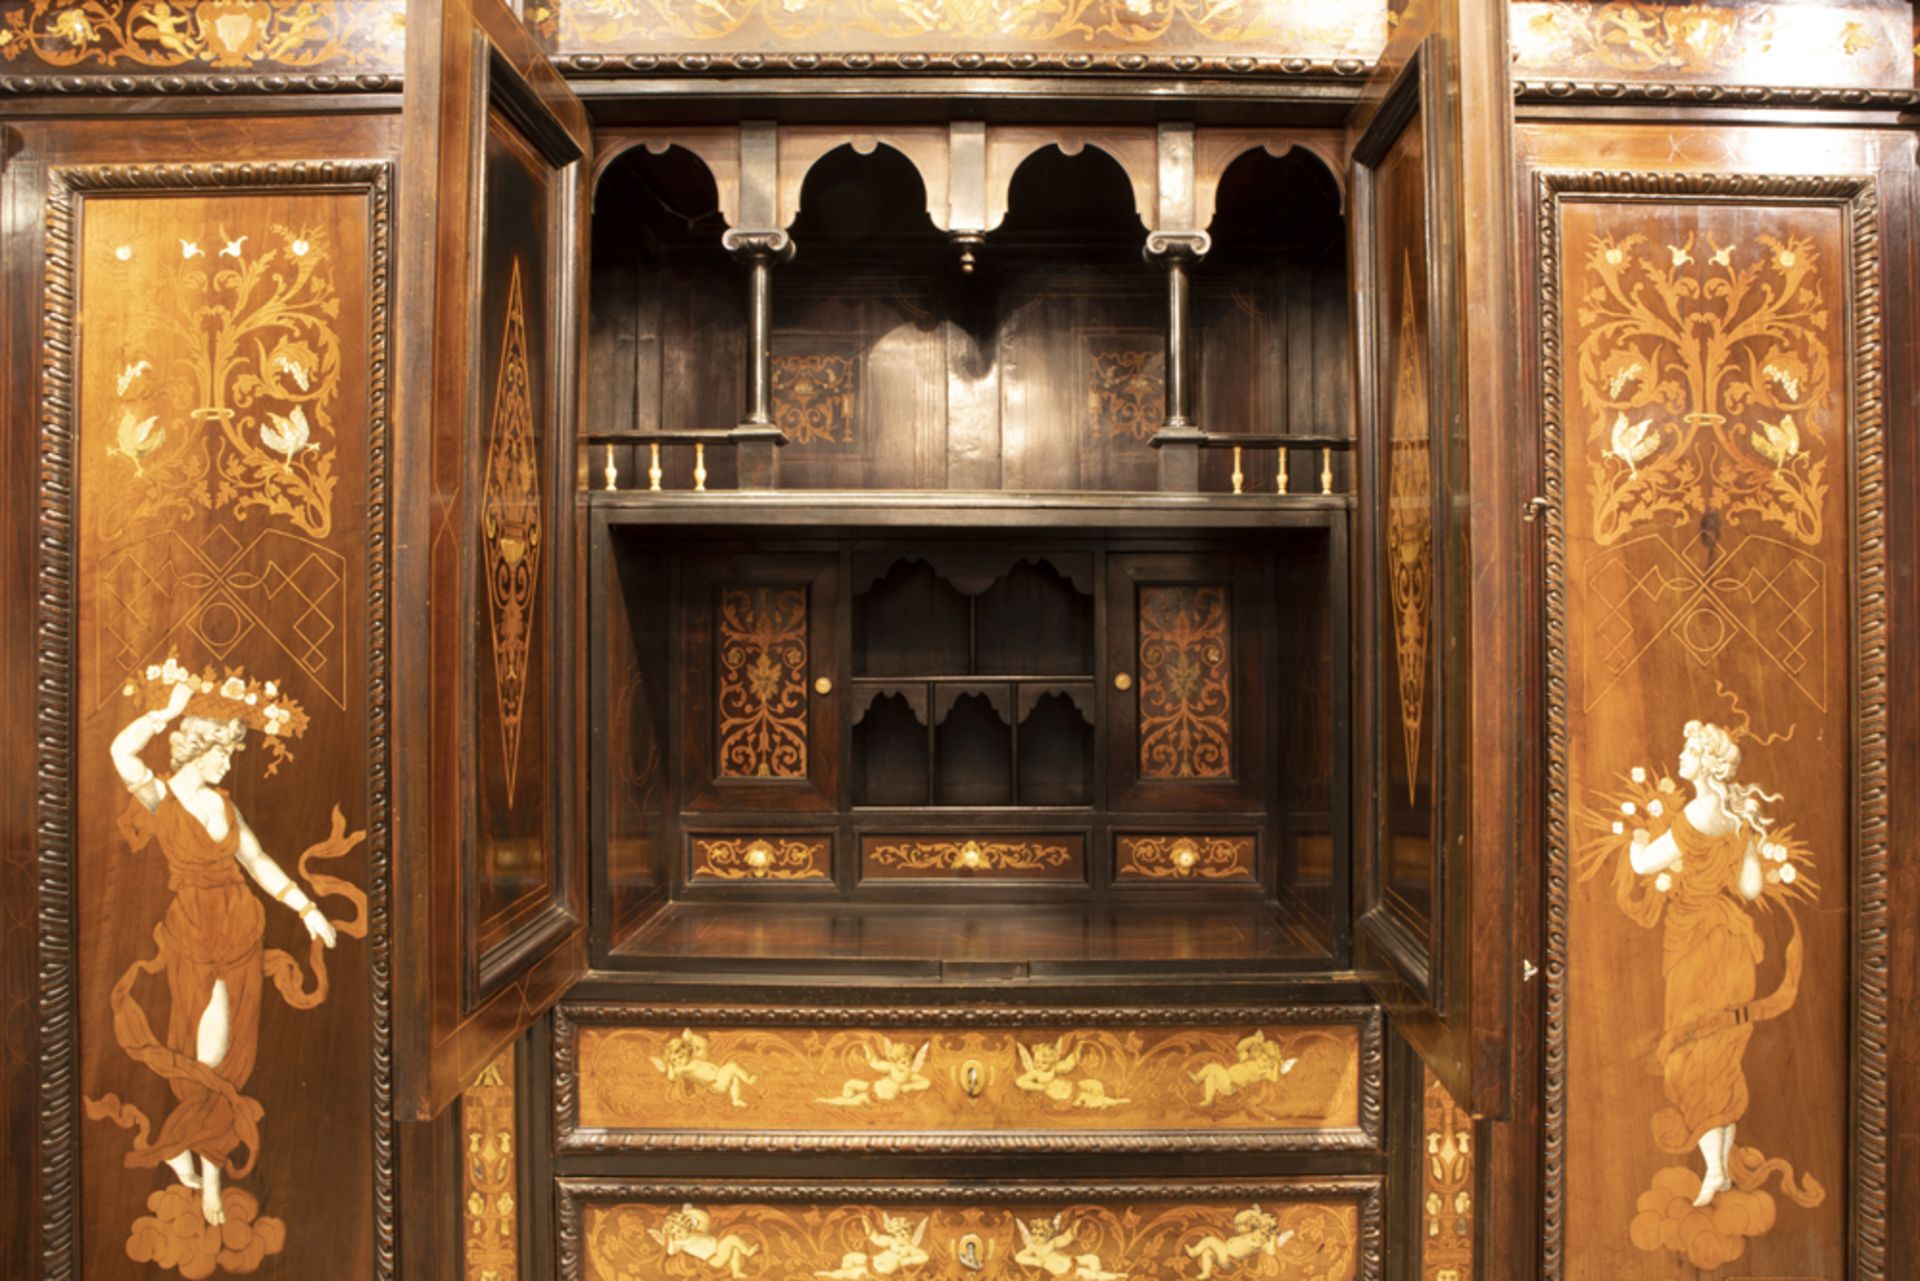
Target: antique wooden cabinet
<point x="890" y="639"/>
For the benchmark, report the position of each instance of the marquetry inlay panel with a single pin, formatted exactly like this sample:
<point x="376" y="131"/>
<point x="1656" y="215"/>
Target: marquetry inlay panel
<point x="1446" y="1186"/>
<point x="675" y="1077"/>
<point x="1186" y="686"/>
<point x="756" y="857"/>
<point x="212" y="677"/>
<point x="1716" y="569"/>
<point x="230" y="37"/>
<point x="1308" y="31"/>
<point x="1168" y="857"/>
<point x="488" y="1163"/>
<point x="1325" y="1230"/>
<point x="1047" y="858"/>
<point x="1852" y="44"/>
<point x="761" y="644"/>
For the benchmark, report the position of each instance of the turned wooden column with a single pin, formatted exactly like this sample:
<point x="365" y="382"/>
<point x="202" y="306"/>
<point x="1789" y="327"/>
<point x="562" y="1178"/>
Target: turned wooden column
<point x="1179" y="436"/>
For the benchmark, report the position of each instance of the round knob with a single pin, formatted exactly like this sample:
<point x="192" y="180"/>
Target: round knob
<point x="1122" y="681"/>
<point x="823" y="687"/>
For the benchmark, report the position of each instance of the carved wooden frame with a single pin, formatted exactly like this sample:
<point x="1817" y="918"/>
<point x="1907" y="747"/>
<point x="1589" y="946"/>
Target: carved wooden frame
<point x="56" y="604"/>
<point x="569" y="1137"/>
<point x="1857" y="198"/>
<point x="572" y="1194"/>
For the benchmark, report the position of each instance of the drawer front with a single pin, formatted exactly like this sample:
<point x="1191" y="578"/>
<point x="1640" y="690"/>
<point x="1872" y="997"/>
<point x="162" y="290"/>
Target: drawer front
<point x="670" y="1077"/>
<point x="1054" y="856"/>
<point x="1301" y="1230"/>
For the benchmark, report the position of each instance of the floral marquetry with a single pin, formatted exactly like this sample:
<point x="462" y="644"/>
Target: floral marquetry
<point x="719" y="1085"/>
<point x="763" y="858"/>
<point x="1186" y="693"/>
<point x="1207" y="858"/>
<point x="762" y="651"/>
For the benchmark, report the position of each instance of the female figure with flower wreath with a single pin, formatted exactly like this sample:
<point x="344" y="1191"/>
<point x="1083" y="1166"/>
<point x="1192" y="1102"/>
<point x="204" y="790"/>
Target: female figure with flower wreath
<point x="208" y="942"/>
<point x="1717" y="861"/>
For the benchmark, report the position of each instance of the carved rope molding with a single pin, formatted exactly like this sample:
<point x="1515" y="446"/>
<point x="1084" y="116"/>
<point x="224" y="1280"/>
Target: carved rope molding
<point x="595" y="65"/>
<point x="574" y="1193"/>
<point x="1857" y="197"/>
<point x="1643" y="91"/>
<point x="569" y="1137"/>
<point x="55" y="672"/>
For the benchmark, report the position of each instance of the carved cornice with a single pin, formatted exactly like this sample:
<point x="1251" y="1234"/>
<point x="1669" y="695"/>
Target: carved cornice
<point x="56" y="676"/>
<point x="1869" y="1037"/>
<point x="574" y="1194"/>
<point x="1653" y="91"/>
<point x="1367" y="1135"/>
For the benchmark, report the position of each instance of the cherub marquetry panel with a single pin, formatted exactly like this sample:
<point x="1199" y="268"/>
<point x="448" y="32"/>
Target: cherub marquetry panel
<point x="125" y="38"/>
<point x="1303" y="1231"/>
<point x="902" y="1079"/>
<point x="1092" y="32"/>
<point x="214" y="429"/>
<point x="1716" y="478"/>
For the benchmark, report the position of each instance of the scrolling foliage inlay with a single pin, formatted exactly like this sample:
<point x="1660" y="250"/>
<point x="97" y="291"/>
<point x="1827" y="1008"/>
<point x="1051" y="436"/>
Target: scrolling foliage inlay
<point x="762" y="703"/>
<point x="779" y="858"/>
<point x="1186" y="697"/>
<point x="1299" y="1241"/>
<point x="1213" y="858"/>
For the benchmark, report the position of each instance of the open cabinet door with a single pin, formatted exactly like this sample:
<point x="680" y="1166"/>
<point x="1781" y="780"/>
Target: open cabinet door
<point x="490" y="892"/>
<point x="1438" y="764"/>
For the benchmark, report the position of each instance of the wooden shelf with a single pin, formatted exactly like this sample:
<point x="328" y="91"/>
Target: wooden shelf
<point x="958" y="509"/>
<point x="1034" y="940"/>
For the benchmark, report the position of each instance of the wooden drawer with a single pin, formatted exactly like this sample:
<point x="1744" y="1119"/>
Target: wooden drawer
<point x="1299" y="1229"/>
<point x="960" y="1079"/>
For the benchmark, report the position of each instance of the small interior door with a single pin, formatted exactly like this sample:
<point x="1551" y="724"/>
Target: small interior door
<point x="1439" y="685"/>
<point x="490" y="898"/>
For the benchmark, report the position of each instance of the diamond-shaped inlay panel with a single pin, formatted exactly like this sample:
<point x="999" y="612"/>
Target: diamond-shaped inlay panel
<point x="510" y="526"/>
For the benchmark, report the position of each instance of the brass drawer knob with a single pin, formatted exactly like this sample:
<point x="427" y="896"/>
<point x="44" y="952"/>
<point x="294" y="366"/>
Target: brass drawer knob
<point x="1122" y="681"/>
<point x="823" y="687"/>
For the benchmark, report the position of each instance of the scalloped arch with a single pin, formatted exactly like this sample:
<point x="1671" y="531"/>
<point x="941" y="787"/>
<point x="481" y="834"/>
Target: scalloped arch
<point x="1136" y="151"/>
<point x="718" y="149"/>
<point x="1216" y="151"/>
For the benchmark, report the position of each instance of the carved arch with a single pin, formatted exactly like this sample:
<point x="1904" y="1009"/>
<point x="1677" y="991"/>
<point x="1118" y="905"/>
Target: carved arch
<point x="1136" y="151"/>
<point x="1217" y="150"/>
<point x="717" y="148"/>
<point x="924" y="147"/>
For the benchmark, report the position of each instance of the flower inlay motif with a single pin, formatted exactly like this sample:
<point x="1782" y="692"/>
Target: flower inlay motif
<point x="1186" y="697"/>
<point x="762" y="646"/>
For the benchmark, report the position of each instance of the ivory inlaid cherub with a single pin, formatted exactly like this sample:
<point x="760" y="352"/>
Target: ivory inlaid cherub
<point x="1256" y="1059"/>
<point x="684" y="1058"/>
<point x="688" y="1231"/>
<point x="1254" y="1232"/>
<point x="898" y="1064"/>
<point x="1044" y="1245"/>
<point x="1049" y="1067"/>
<point x="897" y="1248"/>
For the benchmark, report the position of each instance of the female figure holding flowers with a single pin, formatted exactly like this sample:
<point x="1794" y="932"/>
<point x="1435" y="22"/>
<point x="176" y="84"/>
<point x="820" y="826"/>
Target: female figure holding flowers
<point x="208" y="940"/>
<point x="1706" y="869"/>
